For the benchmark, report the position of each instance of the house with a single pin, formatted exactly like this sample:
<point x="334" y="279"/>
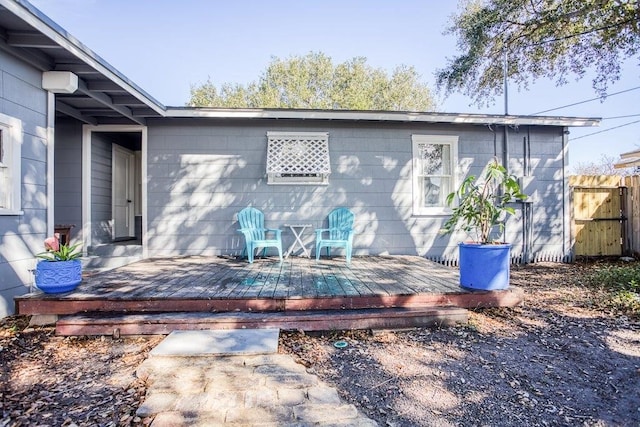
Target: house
<point x="630" y="159"/>
<point x="83" y="146"/>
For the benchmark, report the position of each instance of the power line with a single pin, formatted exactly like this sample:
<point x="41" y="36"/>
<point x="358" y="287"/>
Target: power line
<point x="588" y="100"/>
<point x="621" y="117"/>
<point x="606" y="130"/>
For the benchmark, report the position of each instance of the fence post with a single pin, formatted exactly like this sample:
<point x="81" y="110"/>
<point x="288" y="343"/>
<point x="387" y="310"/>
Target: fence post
<point x="633" y="213"/>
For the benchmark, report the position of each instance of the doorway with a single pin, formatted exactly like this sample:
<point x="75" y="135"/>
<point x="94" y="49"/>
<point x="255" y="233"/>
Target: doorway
<point x="113" y="207"/>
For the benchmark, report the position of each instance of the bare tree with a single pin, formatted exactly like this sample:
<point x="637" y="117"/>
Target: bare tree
<point x="604" y="167"/>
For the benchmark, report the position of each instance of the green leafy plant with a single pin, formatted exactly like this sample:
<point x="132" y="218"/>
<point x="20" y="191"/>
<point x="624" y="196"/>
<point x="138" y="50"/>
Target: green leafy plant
<point x="619" y="286"/>
<point x="483" y="202"/>
<point x="58" y="252"/>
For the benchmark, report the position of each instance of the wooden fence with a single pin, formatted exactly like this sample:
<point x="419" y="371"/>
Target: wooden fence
<point x="605" y="215"/>
<point x="632" y="236"/>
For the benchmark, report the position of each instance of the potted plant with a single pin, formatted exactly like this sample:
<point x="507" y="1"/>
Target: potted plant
<point x="59" y="269"/>
<point x="483" y="205"/>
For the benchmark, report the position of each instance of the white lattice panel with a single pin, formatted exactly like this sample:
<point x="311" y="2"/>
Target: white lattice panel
<point x="298" y="153"/>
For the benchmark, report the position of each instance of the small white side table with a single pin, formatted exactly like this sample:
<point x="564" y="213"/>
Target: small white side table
<point x="298" y="230"/>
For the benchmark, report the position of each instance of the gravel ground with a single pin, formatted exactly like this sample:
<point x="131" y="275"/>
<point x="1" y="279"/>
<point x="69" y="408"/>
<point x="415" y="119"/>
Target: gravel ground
<point x="555" y="360"/>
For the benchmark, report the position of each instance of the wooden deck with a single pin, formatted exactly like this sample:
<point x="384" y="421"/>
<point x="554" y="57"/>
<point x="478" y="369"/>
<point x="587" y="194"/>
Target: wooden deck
<point x="266" y="289"/>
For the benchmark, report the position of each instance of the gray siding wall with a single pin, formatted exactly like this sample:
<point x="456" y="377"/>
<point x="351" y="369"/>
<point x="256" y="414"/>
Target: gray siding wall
<point x="201" y="173"/>
<point x="22" y="236"/>
<point x="548" y="190"/>
<point x="101" y="209"/>
<point x="68" y="176"/>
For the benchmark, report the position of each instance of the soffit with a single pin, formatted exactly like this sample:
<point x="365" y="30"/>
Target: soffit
<point x="104" y="96"/>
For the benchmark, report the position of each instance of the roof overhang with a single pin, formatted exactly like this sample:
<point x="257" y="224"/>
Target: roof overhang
<point x="386" y="116"/>
<point x="103" y="95"/>
<point x="628" y="160"/>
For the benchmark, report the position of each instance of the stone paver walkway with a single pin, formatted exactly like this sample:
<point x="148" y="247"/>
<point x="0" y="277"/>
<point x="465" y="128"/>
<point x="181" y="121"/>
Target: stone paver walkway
<point x="242" y="390"/>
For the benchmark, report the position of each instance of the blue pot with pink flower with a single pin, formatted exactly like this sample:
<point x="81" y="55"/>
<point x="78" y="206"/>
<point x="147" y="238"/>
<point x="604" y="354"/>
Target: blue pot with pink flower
<point x="59" y="269"/>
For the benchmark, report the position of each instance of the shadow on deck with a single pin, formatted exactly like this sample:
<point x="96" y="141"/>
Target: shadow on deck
<point x="156" y="296"/>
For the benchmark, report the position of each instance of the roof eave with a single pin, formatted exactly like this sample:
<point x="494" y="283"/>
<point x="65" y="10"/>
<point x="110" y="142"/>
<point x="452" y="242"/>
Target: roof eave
<point x="32" y="16"/>
<point x="630" y="154"/>
<point x="388" y="116"/>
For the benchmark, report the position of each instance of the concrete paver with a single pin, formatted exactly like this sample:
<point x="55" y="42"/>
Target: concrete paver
<point x="323" y="394"/>
<point x="239" y="390"/>
<point x="219" y="342"/>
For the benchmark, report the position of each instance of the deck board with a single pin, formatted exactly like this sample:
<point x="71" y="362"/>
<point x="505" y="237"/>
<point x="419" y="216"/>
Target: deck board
<point x="272" y="278"/>
<point x="358" y="285"/>
<point x="230" y="283"/>
<point x="308" y="288"/>
<point x="199" y="283"/>
<point x="386" y="276"/>
<point x="362" y="270"/>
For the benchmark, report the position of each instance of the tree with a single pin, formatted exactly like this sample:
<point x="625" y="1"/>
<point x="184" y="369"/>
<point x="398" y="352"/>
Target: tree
<point x="539" y="38"/>
<point x="314" y="81"/>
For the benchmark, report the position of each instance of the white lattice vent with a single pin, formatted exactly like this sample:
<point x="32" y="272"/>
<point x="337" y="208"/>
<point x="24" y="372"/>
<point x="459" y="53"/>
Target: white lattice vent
<point x="298" y="158"/>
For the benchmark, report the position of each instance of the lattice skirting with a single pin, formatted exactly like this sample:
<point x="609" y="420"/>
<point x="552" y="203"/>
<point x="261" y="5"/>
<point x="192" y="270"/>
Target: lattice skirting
<point x="452" y="261"/>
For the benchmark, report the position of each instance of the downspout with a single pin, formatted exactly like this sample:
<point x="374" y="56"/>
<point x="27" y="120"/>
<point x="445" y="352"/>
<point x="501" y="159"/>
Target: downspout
<point x="505" y="163"/>
<point x="525" y="211"/>
<point x="567" y="256"/>
<point x="527" y="205"/>
<point x="505" y="148"/>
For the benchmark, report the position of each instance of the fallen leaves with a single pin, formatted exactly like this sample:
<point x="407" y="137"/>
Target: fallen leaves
<point x="547" y="362"/>
<point x="55" y="381"/>
<point x="552" y="361"/>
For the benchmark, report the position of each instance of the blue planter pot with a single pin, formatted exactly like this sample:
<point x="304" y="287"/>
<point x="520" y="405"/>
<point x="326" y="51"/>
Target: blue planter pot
<point x="484" y="267"/>
<point x="54" y="277"/>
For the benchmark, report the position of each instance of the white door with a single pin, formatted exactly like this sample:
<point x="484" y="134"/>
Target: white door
<point x="123" y="167"/>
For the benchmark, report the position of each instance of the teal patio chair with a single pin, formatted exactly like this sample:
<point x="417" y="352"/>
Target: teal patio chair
<point x="338" y="235"/>
<point x="251" y="221"/>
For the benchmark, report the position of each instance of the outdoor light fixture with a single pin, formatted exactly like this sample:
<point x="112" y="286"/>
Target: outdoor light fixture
<point x="59" y="81"/>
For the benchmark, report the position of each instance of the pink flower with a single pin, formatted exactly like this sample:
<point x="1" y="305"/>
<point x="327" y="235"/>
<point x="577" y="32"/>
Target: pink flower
<point x="52" y="244"/>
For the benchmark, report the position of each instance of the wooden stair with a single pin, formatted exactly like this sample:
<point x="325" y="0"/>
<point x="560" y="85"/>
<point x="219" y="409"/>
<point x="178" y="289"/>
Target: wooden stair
<point x="314" y="320"/>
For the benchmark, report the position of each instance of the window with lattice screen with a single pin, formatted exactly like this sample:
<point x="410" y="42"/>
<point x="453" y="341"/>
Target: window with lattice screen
<point x="298" y="158"/>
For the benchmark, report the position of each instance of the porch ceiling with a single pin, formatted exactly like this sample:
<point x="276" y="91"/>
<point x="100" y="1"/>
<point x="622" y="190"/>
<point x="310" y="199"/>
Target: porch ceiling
<point x="104" y="96"/>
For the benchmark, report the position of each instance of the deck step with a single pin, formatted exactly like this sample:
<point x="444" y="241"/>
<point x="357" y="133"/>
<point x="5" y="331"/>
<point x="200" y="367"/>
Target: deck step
<point x="117" y="249"/>
<point x="95" y="264"/>
<point x="165" y="323"/>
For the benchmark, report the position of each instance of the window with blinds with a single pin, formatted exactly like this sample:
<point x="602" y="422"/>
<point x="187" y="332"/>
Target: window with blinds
<point x="434" y="162"/>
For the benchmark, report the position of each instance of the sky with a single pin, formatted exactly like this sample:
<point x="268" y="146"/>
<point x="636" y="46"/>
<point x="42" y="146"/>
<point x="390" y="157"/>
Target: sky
<point x="167" y="46"/>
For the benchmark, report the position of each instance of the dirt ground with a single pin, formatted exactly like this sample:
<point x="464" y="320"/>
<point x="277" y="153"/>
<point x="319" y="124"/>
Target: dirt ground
<point x="553" y="361"/>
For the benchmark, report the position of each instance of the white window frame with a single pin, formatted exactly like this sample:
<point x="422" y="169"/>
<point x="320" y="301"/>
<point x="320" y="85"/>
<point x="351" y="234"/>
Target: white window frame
<point x="417" y="142"/>
<point x="10" y="165"/>
<point x="314" y="172"/>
